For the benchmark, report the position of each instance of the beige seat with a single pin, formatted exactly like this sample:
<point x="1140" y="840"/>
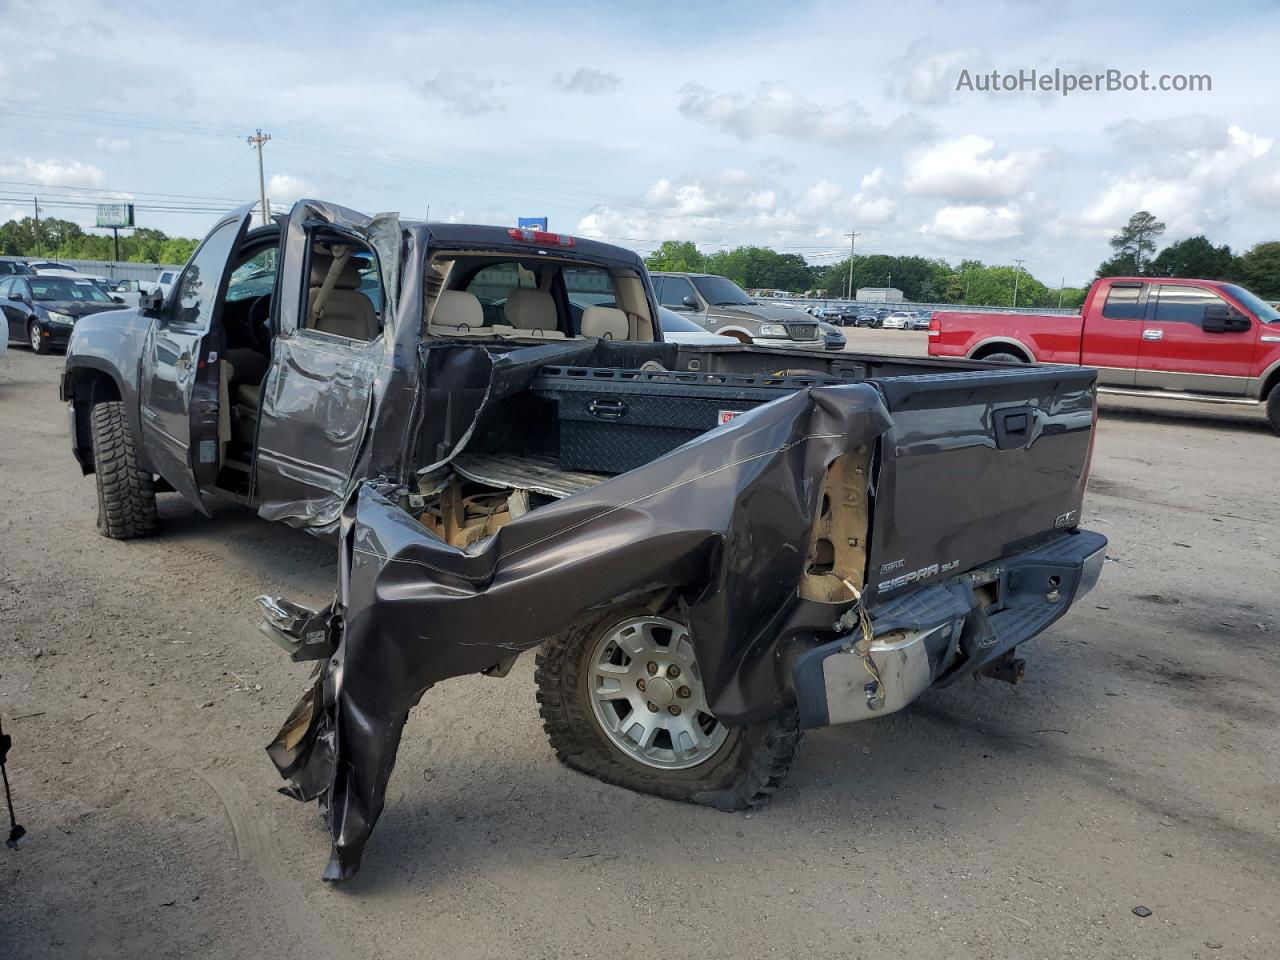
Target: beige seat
<point x="607" y="323"/>
<point x="457" y="314"/>
<point x="344" y="311"/>
<point x="532" y="313"/>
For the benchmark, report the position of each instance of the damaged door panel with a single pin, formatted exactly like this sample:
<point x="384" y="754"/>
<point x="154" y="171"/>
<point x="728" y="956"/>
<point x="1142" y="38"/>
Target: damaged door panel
<point x="317" y="400"/>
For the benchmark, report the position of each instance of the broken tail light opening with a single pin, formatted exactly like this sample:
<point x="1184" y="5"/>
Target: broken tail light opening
<point x="935" y="328"/>
<point x="541" y="237"/>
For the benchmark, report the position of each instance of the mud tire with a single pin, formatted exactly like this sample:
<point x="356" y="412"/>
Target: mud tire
<point x="126" y="493"/>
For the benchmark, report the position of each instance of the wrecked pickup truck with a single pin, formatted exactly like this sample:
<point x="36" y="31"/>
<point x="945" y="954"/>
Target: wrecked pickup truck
<point x="716" y="547"/>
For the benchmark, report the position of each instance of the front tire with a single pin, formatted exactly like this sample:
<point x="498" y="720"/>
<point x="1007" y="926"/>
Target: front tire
<point x="1273" y="408"/>
<point x="38" y="343"/>
<point x="598" y="686"/>
<point x="126" y="494"/>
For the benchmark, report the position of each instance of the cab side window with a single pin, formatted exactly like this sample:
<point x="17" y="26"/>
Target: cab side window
<point x="197" y="290"/>
<point x="345" y="297"/>
<point x="674" y="290"/>
<point x="1179" y="304"/>
<point x="1124" y="302"/>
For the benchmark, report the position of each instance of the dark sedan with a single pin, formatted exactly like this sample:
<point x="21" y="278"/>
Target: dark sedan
<point x="41" y="310"/>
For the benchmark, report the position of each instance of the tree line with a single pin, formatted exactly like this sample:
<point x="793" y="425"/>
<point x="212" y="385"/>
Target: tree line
<point x="69" y="241"/>
<point x="921" y="279"/>
<point x="1195" y="257"/>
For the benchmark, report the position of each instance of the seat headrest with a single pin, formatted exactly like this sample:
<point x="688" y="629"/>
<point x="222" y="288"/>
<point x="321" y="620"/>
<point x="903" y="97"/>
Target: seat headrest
<point x="348" y="279"/>
<point x="607" y="323"/>
<point x="459" y="310"/>
<point x="527" y="309"/>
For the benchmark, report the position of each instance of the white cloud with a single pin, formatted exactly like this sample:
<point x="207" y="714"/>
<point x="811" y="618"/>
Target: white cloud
<point x="284" y="189"/>
<point x="975" y="224"/>
<point x="589" y="81"/>
<point x="1192" y="190"/>
<point x="932" y="80"/>
<point x="965" y="168"/>
<point x="53" y="173"/>
<point x="463" y="93"/>
<point x="778" y="109"/>
<point x="734" y="207"/>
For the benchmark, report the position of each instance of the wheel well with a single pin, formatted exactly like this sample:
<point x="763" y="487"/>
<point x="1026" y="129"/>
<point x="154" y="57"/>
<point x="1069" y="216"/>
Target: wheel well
<point x="987" y="349"/>
<point x="88" y="388"/>
<point x="1272" y="382"/>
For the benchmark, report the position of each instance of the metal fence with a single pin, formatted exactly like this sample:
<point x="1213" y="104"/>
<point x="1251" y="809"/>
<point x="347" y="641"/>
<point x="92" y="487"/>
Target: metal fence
<point x="107" y="268"/>
<point x="803" y="303"/>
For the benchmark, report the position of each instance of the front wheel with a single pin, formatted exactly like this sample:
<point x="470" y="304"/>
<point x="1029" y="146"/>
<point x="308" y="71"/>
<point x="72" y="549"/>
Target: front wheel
<point x="1273" y="408"/>
<point x="126" y="493"/>
<point x="622" y="699"/>
<point x="39" y="344"/>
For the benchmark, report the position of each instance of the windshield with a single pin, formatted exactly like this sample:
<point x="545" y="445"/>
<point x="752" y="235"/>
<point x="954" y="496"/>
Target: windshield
<point x="65" y="288"/>
<point x="1256" y="305"/>
<point x="672" y="322"/>
<point x="721" y="292"/>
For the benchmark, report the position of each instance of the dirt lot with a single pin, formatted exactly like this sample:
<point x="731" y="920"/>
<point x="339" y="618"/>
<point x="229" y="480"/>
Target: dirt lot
<point x="1137" y="765"/>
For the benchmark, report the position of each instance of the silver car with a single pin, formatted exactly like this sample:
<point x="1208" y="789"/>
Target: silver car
<point x="719" y="305"/>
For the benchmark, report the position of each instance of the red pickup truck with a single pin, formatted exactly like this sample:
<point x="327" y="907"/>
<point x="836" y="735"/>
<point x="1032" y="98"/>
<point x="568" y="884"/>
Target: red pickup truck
<point x="1147" y="336"/>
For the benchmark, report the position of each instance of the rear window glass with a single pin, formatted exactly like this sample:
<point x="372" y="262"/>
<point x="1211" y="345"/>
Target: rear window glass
<point x="1122" y="303"/>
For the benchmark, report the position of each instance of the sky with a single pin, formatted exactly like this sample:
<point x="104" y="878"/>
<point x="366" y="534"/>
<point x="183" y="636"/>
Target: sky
<point x="786" y="125"/>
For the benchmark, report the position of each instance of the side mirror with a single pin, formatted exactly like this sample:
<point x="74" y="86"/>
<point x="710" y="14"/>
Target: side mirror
<point x="17" y="296"/>
<point x="151" y="302"/>
<point x="117" y="299"/>
<point x="690" y="301"/>
<point x="1220" y="318"/>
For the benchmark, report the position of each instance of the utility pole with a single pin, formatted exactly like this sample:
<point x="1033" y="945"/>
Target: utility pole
<point x="1017" y="272"/>
<point x="36" y="203"/>
<point x="853" y="238"/>
<point x="257" y="140"/>
<point x="1060" y="289"/>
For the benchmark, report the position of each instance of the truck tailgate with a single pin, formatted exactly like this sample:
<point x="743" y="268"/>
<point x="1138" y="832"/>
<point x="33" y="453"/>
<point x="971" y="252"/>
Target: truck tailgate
<point x="975" y="467"/>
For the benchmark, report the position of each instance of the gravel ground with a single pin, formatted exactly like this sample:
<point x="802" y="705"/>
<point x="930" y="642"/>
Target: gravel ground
<point x="1136" y="766"/>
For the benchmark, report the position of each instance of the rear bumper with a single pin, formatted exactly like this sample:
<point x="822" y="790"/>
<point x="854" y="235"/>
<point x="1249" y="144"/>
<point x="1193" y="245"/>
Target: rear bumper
<point x="937" y="634"/>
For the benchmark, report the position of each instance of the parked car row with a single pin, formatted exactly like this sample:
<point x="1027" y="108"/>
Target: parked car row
<point x="855" y="315"/>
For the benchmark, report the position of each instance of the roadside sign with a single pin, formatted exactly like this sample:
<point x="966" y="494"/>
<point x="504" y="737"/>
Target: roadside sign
<point x="115" y="214"/>
<point x="533" y="223"/>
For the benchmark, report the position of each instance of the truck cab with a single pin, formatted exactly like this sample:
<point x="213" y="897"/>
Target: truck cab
<point x="255" y="378"/>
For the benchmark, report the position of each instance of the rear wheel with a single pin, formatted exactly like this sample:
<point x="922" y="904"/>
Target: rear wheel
<point x="39" y="344"/>
<point x="126" y="494"/>
<point x="1273" y="408"/>
<point x="1004" y="357"/>
<point x="622" y="699"/>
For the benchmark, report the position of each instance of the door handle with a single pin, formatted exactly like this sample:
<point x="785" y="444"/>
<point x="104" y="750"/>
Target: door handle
<point x="1152" y="334"/>
<point x="607" y="409"/>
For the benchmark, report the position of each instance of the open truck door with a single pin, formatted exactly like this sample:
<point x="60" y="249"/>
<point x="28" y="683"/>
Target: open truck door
<point x="335" y="301"/>
<point x="179" y="380"/>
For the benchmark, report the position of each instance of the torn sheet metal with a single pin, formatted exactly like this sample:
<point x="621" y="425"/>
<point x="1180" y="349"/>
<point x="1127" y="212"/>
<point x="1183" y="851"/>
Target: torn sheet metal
<point x="725" y="520"/>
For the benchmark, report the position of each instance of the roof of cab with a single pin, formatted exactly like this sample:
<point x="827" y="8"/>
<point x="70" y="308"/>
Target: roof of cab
<point x="489" y="237"/>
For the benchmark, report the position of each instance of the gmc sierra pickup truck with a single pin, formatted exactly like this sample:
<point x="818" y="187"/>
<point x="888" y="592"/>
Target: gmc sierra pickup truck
<point x="715" y="546"/>
<point x="1146" y="336"/>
